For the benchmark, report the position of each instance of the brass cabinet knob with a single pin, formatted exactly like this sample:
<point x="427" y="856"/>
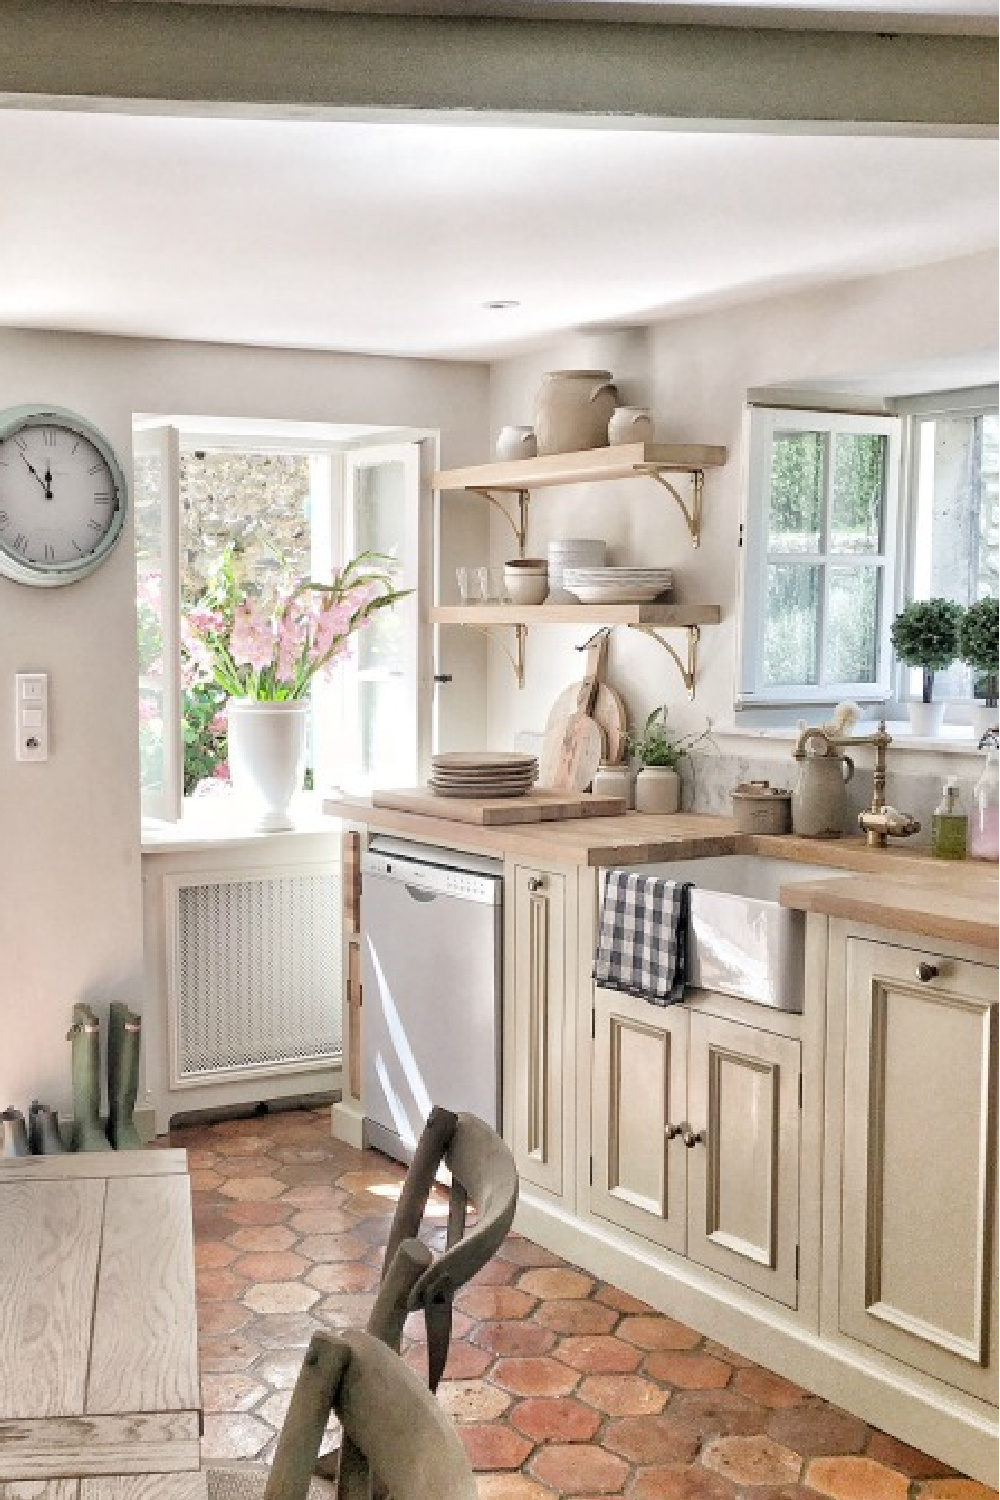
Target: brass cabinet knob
<point x="692" y="1137"/>
<point x="926" y="972"/>
<point x="535" y="882"/>
<point x="672" y="1131"/>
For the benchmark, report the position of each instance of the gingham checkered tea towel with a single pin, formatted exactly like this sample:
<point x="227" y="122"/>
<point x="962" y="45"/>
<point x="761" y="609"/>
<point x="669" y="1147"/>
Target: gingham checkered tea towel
<point x="642" y="942"/>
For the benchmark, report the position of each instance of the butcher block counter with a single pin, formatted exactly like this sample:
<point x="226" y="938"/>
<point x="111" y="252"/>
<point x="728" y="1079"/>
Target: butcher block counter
<point x="907" y="890"/>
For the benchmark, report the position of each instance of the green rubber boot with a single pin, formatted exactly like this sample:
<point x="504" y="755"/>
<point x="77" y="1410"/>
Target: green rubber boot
<point x="124" y="1033"/>
<point x="85" y="1034"/>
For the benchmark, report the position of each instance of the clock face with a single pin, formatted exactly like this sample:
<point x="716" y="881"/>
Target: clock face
<point x="62" y="498"/>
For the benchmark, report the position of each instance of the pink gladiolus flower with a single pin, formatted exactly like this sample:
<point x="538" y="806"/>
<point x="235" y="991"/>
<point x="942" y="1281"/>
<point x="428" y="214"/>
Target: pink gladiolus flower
<point x="220" y="723"/>
<point x="221" y="772"/>
<point x="252" y="642"/>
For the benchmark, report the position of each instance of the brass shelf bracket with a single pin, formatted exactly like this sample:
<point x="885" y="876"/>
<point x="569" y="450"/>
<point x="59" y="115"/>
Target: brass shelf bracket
<point x="692" y="513"/>
<point x="520" y="526"/>
<point x="515" y="657"/>
<point x="688" y="671"/>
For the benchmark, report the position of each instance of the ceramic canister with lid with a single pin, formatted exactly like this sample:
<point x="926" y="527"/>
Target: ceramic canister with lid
<point x="759" y="807"/>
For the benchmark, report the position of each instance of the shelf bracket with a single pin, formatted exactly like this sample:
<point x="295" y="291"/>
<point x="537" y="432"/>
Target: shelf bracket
<point x="515" y="657"/>
<point x="518" y="527"/>
<point x="688" y="672"/>
<point x="692" y="514"/>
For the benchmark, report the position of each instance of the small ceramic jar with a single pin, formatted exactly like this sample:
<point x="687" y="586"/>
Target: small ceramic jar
<point x="526" y="580"/>
<point x="615" y="781"/>
<point x="657" y="790"/>
<point x="516" y="442"/>
<point x="630" y="424"/>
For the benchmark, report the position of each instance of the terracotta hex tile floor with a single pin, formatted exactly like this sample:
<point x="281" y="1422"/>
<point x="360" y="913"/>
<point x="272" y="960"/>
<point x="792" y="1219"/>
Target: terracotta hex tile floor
<point x="562" y="1387"/>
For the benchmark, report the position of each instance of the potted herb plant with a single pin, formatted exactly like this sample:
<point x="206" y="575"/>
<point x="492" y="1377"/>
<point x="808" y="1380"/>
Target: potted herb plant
<point x="925" y="635"/>
<point x="660" y="752"/>
<point x="978" y="634"/>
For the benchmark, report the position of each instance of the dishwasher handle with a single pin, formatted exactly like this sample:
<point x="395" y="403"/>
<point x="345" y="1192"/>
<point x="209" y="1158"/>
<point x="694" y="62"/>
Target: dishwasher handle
<point x="420" y="893"/>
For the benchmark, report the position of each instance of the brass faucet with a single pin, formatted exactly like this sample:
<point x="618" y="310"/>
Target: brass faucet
<point x="882" y="822"/>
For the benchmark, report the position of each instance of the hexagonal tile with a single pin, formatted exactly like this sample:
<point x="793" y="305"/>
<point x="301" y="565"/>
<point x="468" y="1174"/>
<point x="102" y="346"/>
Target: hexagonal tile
<point x="343" y="1276"/>
<point x="252" y="1189"/>
<point x="770" y="1390"/>
<point x="815" y="1429"/>
<point x="678" y="1482"/>
<point x="578" y="1469"/>
<point x="559" y="1418"/>
<point x="956" y="1489"/>
<point x="280" y="1297"/>
<point x="752" y="1460"/>
<point x="896" y="1455"/>
<point x="263" y="1239"/>
<point x="257" y="1213"/>
<point x="321" y="1221"/>
<point x="622" y="1395"/>
<point x="510" y="1487"/>
<point x="688" y="1369"/>
<point x="494" y="1302"/>
<point x="651" y="1440"/>
<point x="490" y="1445"/>
<point x="656" y="1332"/>
<point x="598" y="1353"/>
<point x="555" y="1282"/>
<point x="856" y="1479"/>
<point x="472" y="1400"/>
<point x="331" y="1247"/>
<point x="218" y="1285"/>
<point x="576" y="1317"/>
<point x="212" y="1255"/>
<point x="271" y="1265"/>
<point x="221" y="1354"/>
<point x="534" y="1377"/>
<point x="513" y="1338"/>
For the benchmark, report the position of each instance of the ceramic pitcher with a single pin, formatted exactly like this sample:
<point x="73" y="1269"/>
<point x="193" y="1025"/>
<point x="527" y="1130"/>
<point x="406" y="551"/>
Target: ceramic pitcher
<point x="516" y="442"/>
<point x="819" y="798"/>
<point x="572" y="410"/>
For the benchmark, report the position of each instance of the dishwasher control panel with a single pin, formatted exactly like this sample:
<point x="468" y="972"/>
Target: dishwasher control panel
<point x="434" y="879"/>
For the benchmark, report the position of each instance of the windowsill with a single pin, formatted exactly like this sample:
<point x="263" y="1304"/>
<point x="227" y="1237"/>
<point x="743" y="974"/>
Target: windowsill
<point x="218" y="822"/>
<point x="954" y="739"/>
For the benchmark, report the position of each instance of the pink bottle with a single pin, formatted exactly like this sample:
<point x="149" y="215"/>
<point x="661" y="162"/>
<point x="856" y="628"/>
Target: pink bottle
<point x="984" y="823"/>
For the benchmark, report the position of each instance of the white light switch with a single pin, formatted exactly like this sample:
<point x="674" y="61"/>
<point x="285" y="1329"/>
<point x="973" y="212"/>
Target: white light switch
<point x="31" y="715"/>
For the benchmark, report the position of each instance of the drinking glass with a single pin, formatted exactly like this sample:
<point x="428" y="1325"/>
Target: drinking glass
<point x="464" y="581"/>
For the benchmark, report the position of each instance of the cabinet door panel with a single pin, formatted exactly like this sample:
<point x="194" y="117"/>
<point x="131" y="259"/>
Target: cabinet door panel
<point x="640" y="1061"/>
<point x="539" y="1008"/>
<point x="918" y="1214"/>
<point x="743" y="1175"/>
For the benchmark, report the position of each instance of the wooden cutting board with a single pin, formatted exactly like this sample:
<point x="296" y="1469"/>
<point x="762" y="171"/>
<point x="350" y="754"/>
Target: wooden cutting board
<point x="533" y="807"/>
<point x="573" y="748"/>
<point x="609" y="712"/>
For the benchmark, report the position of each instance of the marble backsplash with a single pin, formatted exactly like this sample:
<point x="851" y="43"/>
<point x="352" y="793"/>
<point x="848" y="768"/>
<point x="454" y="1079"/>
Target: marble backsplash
<point x="708" y="780"/>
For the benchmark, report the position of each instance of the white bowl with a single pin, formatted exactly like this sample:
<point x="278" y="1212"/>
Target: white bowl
<point x="526" y="588"/>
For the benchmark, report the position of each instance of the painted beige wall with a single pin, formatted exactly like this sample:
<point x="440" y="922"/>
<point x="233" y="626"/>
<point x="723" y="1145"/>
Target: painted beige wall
<point x="694" y="372"/>
<point x="70" y="895"/>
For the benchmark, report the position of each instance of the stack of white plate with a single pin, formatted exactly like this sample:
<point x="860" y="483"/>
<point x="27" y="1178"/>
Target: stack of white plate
<point x="482" y="773"/>
<point x="574" y="552"/>
<point x="617" y="585"/>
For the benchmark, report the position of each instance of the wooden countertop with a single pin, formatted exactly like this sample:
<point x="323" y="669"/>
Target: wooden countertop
<point x="955" y="900"/>
<point x="896" y="887"/>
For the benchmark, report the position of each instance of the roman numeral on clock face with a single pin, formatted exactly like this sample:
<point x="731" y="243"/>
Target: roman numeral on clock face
<point x="20" y="542"/>
<point x="95" y="525"/>
<point x="48" y="437"/>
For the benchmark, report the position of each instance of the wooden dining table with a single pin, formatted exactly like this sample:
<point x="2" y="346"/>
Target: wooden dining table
<point x="99" y="1388"/>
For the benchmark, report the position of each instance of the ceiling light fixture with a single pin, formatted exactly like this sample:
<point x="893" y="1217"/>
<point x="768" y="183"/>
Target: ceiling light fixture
<point x="499" y="304"/>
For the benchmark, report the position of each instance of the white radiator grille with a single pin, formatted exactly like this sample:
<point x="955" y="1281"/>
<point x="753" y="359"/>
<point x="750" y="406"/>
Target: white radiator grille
<point x="257" y="974"/>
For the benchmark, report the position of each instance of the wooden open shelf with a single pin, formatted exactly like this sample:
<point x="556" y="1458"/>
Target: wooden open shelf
<point x="624" y="461"/>
<point x="677" y="615"/>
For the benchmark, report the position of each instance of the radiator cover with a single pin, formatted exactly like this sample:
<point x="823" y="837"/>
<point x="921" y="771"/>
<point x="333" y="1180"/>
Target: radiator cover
<point x="254" y="977"/>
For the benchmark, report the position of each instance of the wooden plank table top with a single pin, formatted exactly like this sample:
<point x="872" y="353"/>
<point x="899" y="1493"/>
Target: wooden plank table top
<point x="98" y="1321"/>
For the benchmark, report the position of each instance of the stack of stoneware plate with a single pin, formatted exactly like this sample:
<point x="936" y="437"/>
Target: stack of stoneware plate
<point x="617" y="585"/>
<point x="482" y="773"/>
<point x="574" y="552"/>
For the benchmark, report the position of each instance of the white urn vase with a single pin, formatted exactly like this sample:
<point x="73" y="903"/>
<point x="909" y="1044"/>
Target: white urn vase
<point x="572" y="410"/>
<point x="267" y="759"/>
<point x="657" y="790"/>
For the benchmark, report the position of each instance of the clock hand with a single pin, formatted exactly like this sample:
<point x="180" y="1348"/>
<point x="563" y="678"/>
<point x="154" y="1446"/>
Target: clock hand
<point x="45" y="483"/>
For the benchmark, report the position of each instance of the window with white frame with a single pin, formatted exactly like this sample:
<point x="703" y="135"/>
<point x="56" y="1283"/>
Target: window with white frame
<point x="819" y="546"/>
<point x="952" y="514"/>
<point x="286" y="503"/>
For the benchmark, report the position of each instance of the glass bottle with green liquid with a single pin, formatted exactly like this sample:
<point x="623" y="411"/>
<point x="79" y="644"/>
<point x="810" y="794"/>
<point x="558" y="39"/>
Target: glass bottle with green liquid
<point x="950" y="825"/>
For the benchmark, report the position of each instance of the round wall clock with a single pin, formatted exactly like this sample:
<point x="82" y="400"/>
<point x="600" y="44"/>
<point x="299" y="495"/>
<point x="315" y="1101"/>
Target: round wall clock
<point x="63" y="496"/>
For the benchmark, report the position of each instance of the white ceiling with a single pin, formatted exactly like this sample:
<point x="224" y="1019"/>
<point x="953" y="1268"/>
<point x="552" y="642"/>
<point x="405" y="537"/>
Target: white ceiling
<point x="389" y="237"/>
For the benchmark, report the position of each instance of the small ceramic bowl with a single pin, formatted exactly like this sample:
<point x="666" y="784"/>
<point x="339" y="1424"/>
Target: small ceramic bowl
<point x="526" y="580"/>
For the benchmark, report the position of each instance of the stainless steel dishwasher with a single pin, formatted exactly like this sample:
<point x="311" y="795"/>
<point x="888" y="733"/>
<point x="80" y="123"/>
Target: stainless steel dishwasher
<point x="431" y="955"/>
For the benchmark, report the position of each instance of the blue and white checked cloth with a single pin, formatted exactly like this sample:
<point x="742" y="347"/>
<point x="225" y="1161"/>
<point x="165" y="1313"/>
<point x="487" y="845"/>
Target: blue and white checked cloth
<point x="642" y="942"/>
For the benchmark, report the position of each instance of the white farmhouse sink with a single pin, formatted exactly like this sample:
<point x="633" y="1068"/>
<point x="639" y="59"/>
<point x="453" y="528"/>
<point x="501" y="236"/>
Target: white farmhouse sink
<point x="741" y="941"/>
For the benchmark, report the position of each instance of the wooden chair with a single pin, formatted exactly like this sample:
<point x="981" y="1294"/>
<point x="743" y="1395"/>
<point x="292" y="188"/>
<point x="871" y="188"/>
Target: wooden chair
<point x="398" y="1441"/>
<point x="483" y="1174"/>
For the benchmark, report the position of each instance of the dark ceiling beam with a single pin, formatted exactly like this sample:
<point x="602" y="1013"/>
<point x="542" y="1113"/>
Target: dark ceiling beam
<point x="314" y="63"/>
